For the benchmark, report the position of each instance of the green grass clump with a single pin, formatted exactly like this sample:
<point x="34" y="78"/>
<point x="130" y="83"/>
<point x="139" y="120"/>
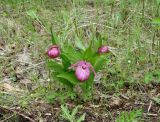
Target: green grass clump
<point x="130" y="27"/>
<point x="132" y="116"/>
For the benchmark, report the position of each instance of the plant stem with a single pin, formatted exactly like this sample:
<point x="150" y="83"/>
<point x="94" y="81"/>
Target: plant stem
<point x="153" y="40"/>
<point x="157" y="13"/>
<point x="143" y="9"/>
<point x="75" y="25"/>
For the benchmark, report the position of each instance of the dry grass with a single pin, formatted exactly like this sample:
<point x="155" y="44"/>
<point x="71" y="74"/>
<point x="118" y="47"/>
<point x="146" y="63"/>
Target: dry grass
<point x="130" y="80"/>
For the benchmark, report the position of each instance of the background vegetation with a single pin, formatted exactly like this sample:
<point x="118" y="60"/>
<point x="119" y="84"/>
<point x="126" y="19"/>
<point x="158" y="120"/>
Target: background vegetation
<point x="129" y="84"/>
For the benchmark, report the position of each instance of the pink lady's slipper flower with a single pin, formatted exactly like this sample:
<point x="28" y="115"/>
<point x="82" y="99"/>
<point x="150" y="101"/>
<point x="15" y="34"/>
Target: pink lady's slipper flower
<point x="103" y="49"/>
<point x="53" y="51"/>
<point x="83" y="70"/>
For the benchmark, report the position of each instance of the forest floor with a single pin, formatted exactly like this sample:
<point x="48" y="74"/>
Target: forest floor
<point x="129" y="87"/>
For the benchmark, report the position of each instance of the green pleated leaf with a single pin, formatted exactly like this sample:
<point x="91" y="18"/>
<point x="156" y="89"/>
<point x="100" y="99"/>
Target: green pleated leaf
<point x="87" y="85"/>
<point x="99" y="62"/>
<point x="79" y="44"/>
<point x="54" y="66"/>
<point x="97" y="43"/>
<point x="65" y="82"/>
<point x="69" y="76"/>
<point x="72" y="54"/>
<point x="66" y="62"/>
<point x="54" y="38"/>
<point x="88" y="54"/>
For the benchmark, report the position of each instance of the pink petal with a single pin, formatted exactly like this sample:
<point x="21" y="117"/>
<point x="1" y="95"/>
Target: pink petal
<point x="82" y="74"/>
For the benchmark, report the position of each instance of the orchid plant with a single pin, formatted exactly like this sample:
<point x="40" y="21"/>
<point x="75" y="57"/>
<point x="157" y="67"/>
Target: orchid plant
<point x="71" y="66"/>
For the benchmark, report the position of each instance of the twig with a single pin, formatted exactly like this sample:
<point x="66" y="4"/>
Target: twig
<point x="150" y="105"/>
<point x="139" y="103"/>
<point x="3" y="92"/>
<point x="86" y="25"/>
<point x="18" y="113"/>
<point x="5" y="80"/>
<point x="125" y="97"/>
<point x="5" y="120"/>
<point x="150" y="114"/>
